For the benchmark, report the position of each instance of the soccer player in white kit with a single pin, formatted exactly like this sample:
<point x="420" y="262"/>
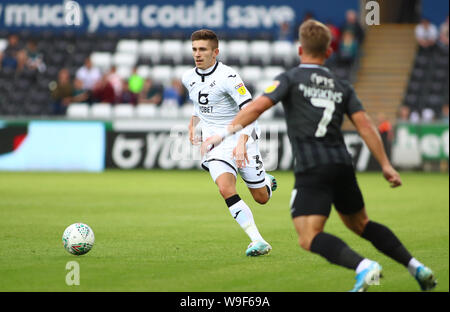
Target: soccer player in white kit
<point x="218" y="93"/>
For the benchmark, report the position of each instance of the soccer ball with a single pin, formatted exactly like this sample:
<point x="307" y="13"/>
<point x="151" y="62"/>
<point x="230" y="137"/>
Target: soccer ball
<point x="78" y="239"/>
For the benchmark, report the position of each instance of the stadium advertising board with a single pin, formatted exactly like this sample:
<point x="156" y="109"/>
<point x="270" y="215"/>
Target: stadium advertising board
<point x="415" y="143"/>
<point x="52" y="145"/>
<point x="165" y="145"/>
<point x="142" y="15"/>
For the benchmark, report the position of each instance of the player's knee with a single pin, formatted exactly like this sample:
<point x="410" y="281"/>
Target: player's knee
<point x="305" y="242"/>
<point x="226" y="191"/>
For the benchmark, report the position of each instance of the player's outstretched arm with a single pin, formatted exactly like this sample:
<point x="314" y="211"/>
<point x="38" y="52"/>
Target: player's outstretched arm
<point x="370" y="135"/>
<point x="245" y="117"/>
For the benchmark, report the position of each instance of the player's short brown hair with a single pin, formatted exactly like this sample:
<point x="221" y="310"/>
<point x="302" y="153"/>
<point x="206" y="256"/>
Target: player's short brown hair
<point x="314" y="37"/>
<point x="206" y="34"/>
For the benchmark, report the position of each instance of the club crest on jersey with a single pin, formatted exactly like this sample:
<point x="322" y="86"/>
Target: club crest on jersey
<point x="241" y="88"/>
<point x="272" y="87"/>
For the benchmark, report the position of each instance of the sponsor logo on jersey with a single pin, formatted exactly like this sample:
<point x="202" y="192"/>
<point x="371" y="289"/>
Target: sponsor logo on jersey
<point x="272" y="87"/>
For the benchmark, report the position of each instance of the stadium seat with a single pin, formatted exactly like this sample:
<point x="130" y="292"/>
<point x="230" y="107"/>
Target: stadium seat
<point x="128" y="46"/>
<point x="150" y="50"/>
<point x="162" y="74"/>
<point x="146" y="110"/>
<point x="3" y="44"/>
<point x="78" y="110"/>
<point x="270" y="72"/>
<point x="124" y="59"/>
<point x="102" y="60"/>
<point x="101" y="110"/>
<point x="123" y="110"/>
<point x="143" y="71"/>
<point x="124" y="71"/>
<point x="171" y="51"/>
<point x="179" y="70"/>
<point x="251" y="74"/>
<point x="282" y="52"/>
<point x="237" y="52"/>
<point x="260" y="52"/>
<point x="186" y="110"/>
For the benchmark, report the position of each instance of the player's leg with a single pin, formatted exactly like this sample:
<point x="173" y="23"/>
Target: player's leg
<point x="310" y="207"/>
<point x="225" y="178"/>
<point x="351" y="209"/>
<point x="387" y="242"/>
<point x="260" y="184"/>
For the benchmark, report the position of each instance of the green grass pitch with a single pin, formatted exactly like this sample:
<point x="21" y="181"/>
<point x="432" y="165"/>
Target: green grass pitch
<point x="171" y="231"/>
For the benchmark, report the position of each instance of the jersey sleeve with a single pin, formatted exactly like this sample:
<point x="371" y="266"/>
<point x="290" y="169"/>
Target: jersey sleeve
<point x="235" y="87"/>
<point x="353" y="102"/>
<point x="279" y="88"/>
<point x="184" y="80"/>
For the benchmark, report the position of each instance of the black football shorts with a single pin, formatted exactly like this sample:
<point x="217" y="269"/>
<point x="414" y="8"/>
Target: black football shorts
<point x="318" y="188"/>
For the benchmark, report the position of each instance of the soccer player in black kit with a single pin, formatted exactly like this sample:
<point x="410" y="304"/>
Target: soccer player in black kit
<point x="315" y="102"/>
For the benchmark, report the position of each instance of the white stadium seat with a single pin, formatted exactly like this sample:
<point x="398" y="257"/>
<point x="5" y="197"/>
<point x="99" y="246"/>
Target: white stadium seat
<point x="102" y="60"/>
<point x="101" y="110"/>
<point x="172" y="49"/>
<point x="3" y="44"/>
<point x="270" y="72"/>
<point x="251" y="74"/>
<point x="150" y="48"/>
<point x="261" y="50"/>
<point x="124" y="72"/>
<point x="162" y="74"/>
<point x="238" y="49"/>
<point x="146" y="110"/>
<point x="179" y="70"/>
<point x="123" y="110"/>
<point x="78" y="110"/>
<point x="128" y="46"/>
<point x="144" y="71"/>
<point x="124" y="59"/>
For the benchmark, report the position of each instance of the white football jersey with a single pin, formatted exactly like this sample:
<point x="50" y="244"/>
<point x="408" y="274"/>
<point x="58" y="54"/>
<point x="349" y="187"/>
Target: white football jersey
<point x="218" y="93"/>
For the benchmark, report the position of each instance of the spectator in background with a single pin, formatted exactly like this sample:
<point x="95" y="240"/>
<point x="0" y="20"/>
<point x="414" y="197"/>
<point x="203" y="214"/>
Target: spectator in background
<point x="62" y="92"/>
<point x="335" y="36"/>
<point x="385" y="130"/>
<point x="285" y="32"/>
<point x="427" y="115"/>
<point x="89" y="76"/>
<point x="443" y="36"/>
<point x="13" y="56"/>
<point x="115" y="80"/>
<point x="79" y="95"/>
<point x="135" y="82"/>
<point x="352" y="25"/>
<point x="426" y="34"/>
<point x="103" y="91"/>
<point x="403" y="113"/>
<point x="34" y="59"/>
<point x="151" y="93"/>
<point x="444" y="114"/>
<point x="348" y="49"/>
<point x="127" y="95"/>
<point x="174" y="94"/>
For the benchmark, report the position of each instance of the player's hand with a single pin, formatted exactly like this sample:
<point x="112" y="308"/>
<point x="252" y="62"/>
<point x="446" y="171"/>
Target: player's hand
<point x="240" y="154"/>
<point x="195" y="140"/>
<point x="210" y="142"/>
<point x="392" y="176"/>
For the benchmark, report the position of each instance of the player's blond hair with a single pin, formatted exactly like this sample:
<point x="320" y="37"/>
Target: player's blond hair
<point x="206" y="34"/>
<point x="314" y="37"/>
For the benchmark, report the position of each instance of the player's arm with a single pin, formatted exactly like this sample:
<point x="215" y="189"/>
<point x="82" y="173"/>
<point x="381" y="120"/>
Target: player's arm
<point x="245" y="117"/>
<point x="192" y="124"/>
<point x="369" y="133"/>
<point x="240" y="151"/>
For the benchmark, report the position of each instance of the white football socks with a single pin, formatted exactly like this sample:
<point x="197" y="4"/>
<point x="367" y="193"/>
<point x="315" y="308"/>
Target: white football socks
<point x="243" y="215"/>
<point x="413" y="265"/>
